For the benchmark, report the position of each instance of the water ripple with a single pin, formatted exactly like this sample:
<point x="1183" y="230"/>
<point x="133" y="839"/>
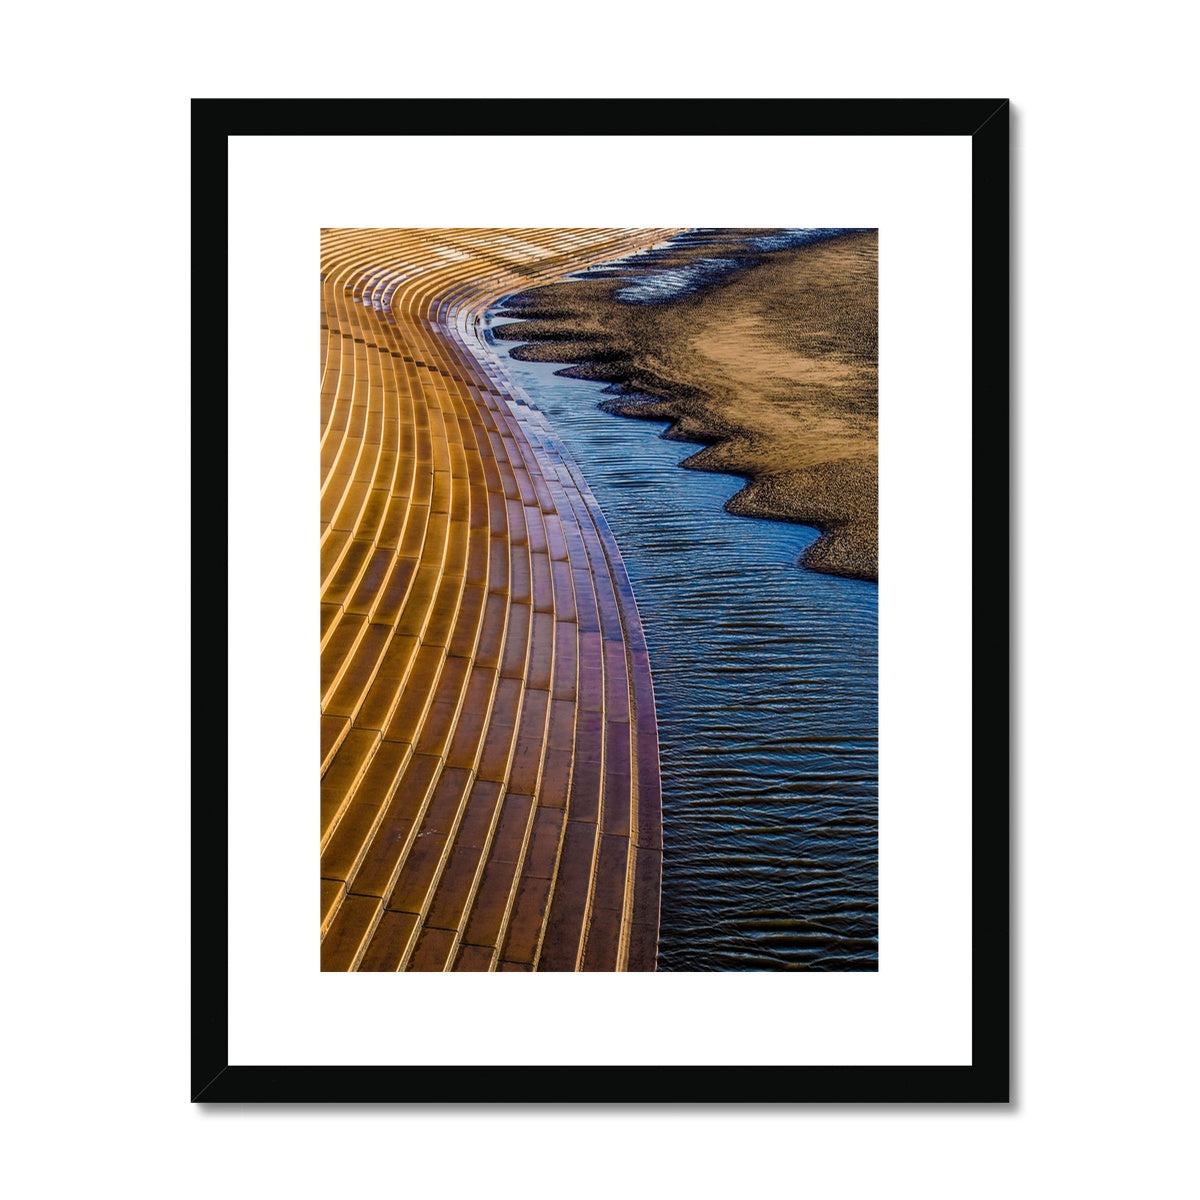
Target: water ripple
<point x="765" y="681"/>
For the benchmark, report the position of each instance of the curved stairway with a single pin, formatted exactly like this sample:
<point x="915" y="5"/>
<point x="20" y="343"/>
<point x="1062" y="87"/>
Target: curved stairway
<point x="489" y="752"/>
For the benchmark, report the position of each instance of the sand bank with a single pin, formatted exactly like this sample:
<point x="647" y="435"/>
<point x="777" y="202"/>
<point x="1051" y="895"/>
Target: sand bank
<point x="772" y="366"/>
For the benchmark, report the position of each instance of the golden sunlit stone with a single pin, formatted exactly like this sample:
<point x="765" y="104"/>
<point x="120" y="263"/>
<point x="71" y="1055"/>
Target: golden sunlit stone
<point x="490" y="790"/>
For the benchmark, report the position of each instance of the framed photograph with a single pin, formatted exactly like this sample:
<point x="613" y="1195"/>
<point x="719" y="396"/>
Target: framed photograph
<point x="661" y="471"/>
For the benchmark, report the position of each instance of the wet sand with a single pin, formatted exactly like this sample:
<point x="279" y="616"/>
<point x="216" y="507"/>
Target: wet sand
<point x="773" y="369"/>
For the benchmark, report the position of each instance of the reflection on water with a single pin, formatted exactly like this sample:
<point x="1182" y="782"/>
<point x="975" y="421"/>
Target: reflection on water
<point x="765" y="681"/>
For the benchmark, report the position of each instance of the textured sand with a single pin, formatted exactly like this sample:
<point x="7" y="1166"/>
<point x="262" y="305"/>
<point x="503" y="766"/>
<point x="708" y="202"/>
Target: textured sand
<point x="774" y="370"/>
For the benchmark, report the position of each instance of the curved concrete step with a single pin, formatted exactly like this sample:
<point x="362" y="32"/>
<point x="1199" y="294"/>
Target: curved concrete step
<point x="489" y="750"/>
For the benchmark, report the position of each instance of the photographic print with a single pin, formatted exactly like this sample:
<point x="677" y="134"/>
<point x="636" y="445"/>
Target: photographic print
<point x="638" y="681"/>
<point x="582" y="709"/>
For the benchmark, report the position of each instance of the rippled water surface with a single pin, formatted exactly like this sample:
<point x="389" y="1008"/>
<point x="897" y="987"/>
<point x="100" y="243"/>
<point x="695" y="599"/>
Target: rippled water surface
<point x="765" y="682"/>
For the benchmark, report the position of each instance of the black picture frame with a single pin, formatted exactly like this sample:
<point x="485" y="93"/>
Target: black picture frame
<point x="214" y="1078"/>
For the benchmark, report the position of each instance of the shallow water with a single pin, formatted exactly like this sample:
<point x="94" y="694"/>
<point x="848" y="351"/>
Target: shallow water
<point x="765" y="683"/>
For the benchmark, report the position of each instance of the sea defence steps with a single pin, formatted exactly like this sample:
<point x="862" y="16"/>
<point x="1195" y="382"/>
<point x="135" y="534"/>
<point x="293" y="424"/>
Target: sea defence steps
<point x="490" y="793"/>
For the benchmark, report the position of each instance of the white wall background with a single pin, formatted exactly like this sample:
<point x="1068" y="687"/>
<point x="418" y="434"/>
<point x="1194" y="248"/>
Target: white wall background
<point x="96" y="572"/>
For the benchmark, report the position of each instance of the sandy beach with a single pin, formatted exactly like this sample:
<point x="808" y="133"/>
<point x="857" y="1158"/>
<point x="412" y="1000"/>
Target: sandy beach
<point x="772" y="368"/>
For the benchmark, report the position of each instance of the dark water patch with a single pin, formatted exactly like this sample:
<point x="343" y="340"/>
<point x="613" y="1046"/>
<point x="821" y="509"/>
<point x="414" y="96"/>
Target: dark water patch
<point x="556" y="350"/>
